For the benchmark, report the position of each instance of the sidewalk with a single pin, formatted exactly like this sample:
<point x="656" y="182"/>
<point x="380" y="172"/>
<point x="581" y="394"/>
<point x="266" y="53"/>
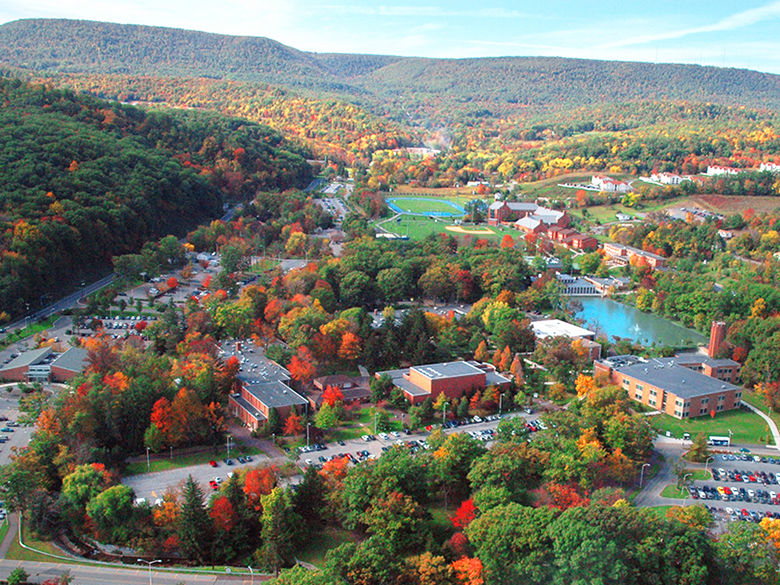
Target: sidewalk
<point x="770" y="422"/>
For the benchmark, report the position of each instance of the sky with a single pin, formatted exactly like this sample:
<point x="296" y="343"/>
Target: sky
<point x="714" y="32"/>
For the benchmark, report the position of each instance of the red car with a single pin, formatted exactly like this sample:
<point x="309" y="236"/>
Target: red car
<point x="213" y="463"/>
<point x="214" y="485"/>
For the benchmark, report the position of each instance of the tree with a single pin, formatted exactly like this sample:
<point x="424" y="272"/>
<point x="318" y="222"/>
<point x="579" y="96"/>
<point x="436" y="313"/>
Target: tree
<point x="193" y="525"/>
<point x="380" y="387"/>
<point x="18" y="576"/>
<point x="329" y="415"/>
<point x="309" y="498"/>
<point x="350" y="346"/>
<point x="112" y="511"/>
<point x="259" y="483"/>
<point x="397" y="520"/>
<point x="584" y="385"/>
<point x="482" y="354"/>
<point x="507" y="242"/>
<point x="293" y="426"/>
<point x="697" y="516"/>
<point x="79" y="487"/>
<point x="465" y="513"/>
<point x="332" y="395"/>
<point x="468" y="571"/>
<point x="280" y="529"/>
<point x="301" y="366"/>
<point x="699" y="450"/>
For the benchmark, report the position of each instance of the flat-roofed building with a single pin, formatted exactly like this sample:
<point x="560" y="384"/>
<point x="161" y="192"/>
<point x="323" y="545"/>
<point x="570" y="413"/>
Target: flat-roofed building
<point x="450" y="378"/>
<point x="551" y="328"/>
<point x="668" y="386"/>
<point x="252" y="404"/>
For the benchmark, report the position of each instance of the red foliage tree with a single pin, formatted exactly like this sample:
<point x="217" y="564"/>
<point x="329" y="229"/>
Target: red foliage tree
<point x="293" y="426"/>
<point x="507" y="242"/>
<point x="332" y="395"/>
<point x="223" y="514"/>
<point x="560" y="496"/>
<point x="465" y="513"/>
<point x="350" y="346"/>
<point x="161" y="415"/>
<point x="302" y="366"/>
<point x="140" y="326"/>
<point x="458" y="543"/>
<point x="172" y="282"/>
<point x="468" y="571"/>
<point x="259" y="482"/>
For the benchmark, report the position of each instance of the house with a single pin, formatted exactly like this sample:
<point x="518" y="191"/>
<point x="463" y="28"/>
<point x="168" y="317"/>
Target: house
<point x="667" y="178"/>
<point x="672" y="388"/>
<point x="450" y="378"/>
<point x="253" y="402"/>
<point x="355" y="390"/>
<point x="604" y="183"/>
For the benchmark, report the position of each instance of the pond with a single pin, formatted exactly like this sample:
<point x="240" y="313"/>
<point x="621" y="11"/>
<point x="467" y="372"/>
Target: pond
<point x="611" y="318"/>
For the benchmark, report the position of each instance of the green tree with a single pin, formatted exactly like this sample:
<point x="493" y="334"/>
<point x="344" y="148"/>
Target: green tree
<point x="280" y="529"/>
<point x="112" y="513"/>
<point x="18" y="576"/>
<point x="193" y="524"/>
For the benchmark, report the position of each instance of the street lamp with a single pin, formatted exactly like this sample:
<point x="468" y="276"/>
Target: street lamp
<point x="149" y="564"/>
<point x="443" y="414"/>
<point x="251" y="572"/>
<point x="642" y="474"/>
<point x="500" y="403"/>
<point x="707" y="462"/>
<point x="685" y="495"/>
<point x="308" y="424"/>
<point x="148" y="463"/>
<point x="229" y="441"/>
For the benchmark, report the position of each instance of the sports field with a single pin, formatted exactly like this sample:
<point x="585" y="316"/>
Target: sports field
<point x="427" y="207"/>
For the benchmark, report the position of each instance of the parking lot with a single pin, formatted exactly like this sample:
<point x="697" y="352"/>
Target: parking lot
<point x="743" y="487"/>
<point x="17" y="436"/>
<point x="151" y="486"/>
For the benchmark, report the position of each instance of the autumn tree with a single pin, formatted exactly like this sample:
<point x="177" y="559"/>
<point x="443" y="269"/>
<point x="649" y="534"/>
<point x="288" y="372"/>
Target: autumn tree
<point x="293" y="426"/>
<point x="301" y="366"/>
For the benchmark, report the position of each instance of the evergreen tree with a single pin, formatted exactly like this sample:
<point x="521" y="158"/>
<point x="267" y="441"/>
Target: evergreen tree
<point x="194" y="527"/>
<point x="310" y="497"/>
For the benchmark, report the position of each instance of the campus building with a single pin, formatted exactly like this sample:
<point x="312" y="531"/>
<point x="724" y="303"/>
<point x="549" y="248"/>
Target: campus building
<point x="354" y="390"/>
<point x="529" y="217"/>
<point x="623" y="255"/>
<point x="450" y="378"/>
<point x="44" y="365"/>
<point x="551" y="328"/>
<point x="253" y="402"/>
<point x="671" y="385"/>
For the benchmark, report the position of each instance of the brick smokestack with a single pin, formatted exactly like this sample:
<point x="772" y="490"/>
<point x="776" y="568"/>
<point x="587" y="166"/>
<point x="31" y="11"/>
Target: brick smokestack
<point x="717" y="338"/>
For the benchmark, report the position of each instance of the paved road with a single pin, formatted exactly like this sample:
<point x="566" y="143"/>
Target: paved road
<point x="9" y="407"/>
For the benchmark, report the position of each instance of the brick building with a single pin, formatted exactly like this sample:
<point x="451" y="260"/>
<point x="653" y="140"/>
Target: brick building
<point x="69" y="364"/>
<point x="355" y="390"/>
<point x="450" y="378"/>
<point x="669" y="386"/>
<point x="252" y="404"/>
<point x="623" y="255"/>
<point x="44" y="365"/>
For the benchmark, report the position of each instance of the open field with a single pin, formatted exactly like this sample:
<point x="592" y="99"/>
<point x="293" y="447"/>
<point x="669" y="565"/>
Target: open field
<point x="321" y="542"/>
<point x="472" y="231"/>
<point x="426" y="206"/>
<point x="137" y="467"/>
<point x="735" y="203"/>
<point x="672" y="491"/>
<point x="418" y="227"/>
<point x="463" y="193"/>
<point x="745" y="426"/>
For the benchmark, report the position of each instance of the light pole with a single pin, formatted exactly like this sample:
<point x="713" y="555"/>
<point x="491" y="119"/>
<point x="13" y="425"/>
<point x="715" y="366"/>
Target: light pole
<point x="685" y="495"/>
<point x="308" y="424"/>
<point x="500" y="403"/>
<point x="375" y="419"/>
<point x="149" y="564"/>
<point x="443" y="414"/>
<point x="642" y="474"/>
<point x="707" y="462"/>
<point x="251" y="572"/>
<point x="229" y="441"/>
<point x="148" y="463"/>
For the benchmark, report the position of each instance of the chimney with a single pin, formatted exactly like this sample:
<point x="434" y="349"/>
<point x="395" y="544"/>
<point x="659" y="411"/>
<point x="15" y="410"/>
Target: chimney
<point x="717" y="338"/>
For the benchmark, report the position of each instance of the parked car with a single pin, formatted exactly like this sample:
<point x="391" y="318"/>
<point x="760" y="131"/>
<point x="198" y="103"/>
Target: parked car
<point x="213" y="463"/>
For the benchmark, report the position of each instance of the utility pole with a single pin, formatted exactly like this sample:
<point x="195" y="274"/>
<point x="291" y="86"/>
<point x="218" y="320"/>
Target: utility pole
<point x="229" y="441"/>
<point x="642" y="474"/>
<point x="148" y="463"/>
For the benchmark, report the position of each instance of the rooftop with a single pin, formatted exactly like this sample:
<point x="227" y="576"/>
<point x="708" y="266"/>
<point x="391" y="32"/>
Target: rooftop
<point x="252" y="361"/>
<point x="703" y="358"/>
<point x="666" y="373"/>
<point x="557" y="328"/>
<point x="447" y="370"/>
<point x="73" y="360"/>
<point x="27" y="358"/>
<point x="273" y="394"/>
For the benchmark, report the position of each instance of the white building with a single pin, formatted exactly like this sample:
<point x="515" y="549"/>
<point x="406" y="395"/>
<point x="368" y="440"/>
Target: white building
<point x="716" y="170"/>
<point x="609" y="184"/>
<point x="667" y="178"/>
<point x="770" y="167"/>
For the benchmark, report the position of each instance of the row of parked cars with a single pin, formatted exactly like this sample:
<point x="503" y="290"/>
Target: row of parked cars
<point x="729" y="494"/>
<point x="745" y="476"/>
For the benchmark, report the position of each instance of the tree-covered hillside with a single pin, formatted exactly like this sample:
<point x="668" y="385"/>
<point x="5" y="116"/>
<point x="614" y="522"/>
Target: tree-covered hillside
<point x="443" y="84"/>
<point x="84" y="180"/>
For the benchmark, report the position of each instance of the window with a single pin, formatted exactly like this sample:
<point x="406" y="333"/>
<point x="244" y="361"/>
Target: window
<point x="720" y="407"/>
<point x="705" y="401"/>
<point x="738" y="395"/>
<point x="625" y="382"/>
<point x="637" y="396"/>
<point x="653" y="393"/>
<point x="651" y="402"/>
<point x="639" y="387"/>
<point x="721" y="398"/>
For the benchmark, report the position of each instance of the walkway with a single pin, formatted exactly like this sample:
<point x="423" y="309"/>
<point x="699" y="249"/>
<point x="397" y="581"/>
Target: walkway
<point x="770" y="422"/>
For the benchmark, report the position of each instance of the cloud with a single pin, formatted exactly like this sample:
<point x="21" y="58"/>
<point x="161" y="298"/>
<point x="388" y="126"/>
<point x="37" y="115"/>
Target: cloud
<point x="734" y="21"/>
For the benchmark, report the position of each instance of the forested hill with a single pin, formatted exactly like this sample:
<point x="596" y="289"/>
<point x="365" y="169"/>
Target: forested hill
<point x="85" y="179"/>
<point x="95" y="47"/>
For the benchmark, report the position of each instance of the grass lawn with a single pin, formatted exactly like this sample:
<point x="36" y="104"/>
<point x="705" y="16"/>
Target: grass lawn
<point x="699" y="474"/>
<point x="319" y="543"/>
<point x="660" y="511"/>
<point x="17" y="553"/>
<point x="672" y="491"/>
<point x="31" y="329"/>
<point x="759" y="402"/>
<point x="138" y="467"/>
<point x="417" y="228"/>
<point x="746" y="426"/>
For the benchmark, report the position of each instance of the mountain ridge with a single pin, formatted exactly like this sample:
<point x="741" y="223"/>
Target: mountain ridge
<point x="81" y="46"/>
